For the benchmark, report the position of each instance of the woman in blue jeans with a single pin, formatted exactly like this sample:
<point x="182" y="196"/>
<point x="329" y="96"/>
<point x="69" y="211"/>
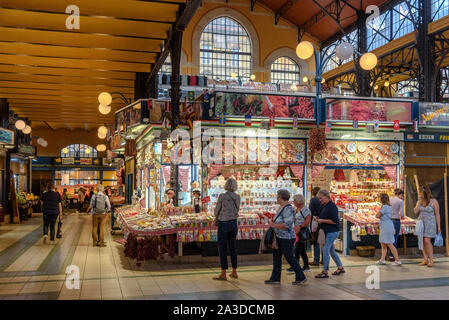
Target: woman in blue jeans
<point x="330" y="224"/>
<point x="226" y="214"/>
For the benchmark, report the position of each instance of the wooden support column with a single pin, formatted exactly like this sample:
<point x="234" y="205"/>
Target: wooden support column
<point x="175" y="94"/>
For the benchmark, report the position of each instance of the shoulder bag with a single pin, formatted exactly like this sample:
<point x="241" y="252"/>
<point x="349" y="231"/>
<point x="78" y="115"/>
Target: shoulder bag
<point x="269" y="236"/>
<point x="304" y="233"/>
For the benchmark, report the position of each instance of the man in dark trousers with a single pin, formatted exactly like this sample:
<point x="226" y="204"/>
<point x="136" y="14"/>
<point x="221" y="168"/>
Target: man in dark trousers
<point x="51" y="208"/>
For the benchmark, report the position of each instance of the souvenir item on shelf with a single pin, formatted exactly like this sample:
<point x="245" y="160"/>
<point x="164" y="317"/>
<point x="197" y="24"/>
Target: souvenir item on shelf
<point x="351" y="147"/>
<point x="300" y="146"/>
<point x="264" y="146"/>
<point x="351" y="158"/>
<point x="300" y="157"/>
<point x="361" y="147"/>
<point x="394" y="148"/>
<point x="317" y="157"/>
<point x="252" y="156"/>
<point x="252" y="145"/>
<point x="395" y="159"/>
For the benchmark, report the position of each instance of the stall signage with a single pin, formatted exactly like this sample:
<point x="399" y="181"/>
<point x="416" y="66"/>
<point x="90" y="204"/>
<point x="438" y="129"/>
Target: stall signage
<point x="68" y="160"/>
<point x="116" y="142"/>
<point x="264" y="105"/>
<point x="26" y="149"/>
<point x="368" y="110"/>
<point x="128" y="116"/>
<point x="428" y="137"/>
<point x="345" y="135"/>
<point x="6" y="136"/>
<point x="158" y="148"/>
<point x="433" y="114"/>
<point x="86" y="161"/>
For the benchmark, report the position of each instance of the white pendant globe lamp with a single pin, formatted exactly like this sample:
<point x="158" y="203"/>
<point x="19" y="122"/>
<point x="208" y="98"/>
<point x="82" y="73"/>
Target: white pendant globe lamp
<point x="20" y="124"/>
<point x="27" y="129"/>
<point x="304" y="50"/>
<point x="105" y="98"/>
<point x="344" y="51"/>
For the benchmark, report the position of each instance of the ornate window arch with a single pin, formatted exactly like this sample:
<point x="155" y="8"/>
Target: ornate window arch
<point x="241" y="20"/>
<point x="77" y="150"/>
<point x="291" y="55"/>
<point x="285" y="70"/>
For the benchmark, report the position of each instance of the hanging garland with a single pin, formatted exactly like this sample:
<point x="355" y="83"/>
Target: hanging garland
<point x="317" y="139"/>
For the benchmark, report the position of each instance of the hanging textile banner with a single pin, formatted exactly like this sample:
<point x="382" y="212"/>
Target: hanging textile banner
<point x="214" y="170"/>
<point x="391" y="172"/>
<point x="184" y="178"/>
<point x="166" y="172"/>
<point x="316" y="170"/>
<point x="298" y="171"/>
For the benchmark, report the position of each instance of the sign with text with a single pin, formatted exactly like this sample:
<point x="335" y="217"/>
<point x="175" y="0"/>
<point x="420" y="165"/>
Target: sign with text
<point x="26" y="149"/>
<point x="428" y="137"/>
<point x="68" y="161"/>
<point x="86" y="161"/>
<point x="433" y="114"/>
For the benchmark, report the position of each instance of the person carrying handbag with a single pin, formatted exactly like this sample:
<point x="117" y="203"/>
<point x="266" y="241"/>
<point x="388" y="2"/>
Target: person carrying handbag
<point x="226" y="215"/>
<point x="315" y="207"/>
<point x="302" y="221"/>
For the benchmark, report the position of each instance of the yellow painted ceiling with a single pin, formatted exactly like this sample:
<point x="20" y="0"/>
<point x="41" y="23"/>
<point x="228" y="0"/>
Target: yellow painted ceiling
<point x="53" y="74"/>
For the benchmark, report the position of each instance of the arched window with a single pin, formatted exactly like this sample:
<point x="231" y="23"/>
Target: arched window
<point x="78" y="151"/>
<point x="225" y="48"/>
<point x="285" y="70"/>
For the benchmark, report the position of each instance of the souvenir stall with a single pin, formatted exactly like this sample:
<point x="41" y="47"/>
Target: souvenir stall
<point x="361" y="160"/>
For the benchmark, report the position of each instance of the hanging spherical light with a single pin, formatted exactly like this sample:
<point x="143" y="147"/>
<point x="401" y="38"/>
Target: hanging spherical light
<point x="368" y="61"/>
<point x="293" y="87"/>
<point x="105" y="98"/>
<point x="44" y="143"/>
<point x="305" y="79"/>
<point x="40" y="141"/>
<point x="101" y="135"/>
<point x="103" y="130"/>
<point x="387" y="83"/>
<point x="323" y="81"/>
<point x="20" y="124"/>
<point x="344" y="51"/>
<point x="234" y="75"/>
<point x="87" y="151"/>
<point x="27" y="129"/>
<point x="65" y="150"/>
<point x="104" y="109"/>
<point x="101" y="147"/>
<point x="304" y="50"/>
<point x="376" y="87"/>
<point x="253" y="77"/>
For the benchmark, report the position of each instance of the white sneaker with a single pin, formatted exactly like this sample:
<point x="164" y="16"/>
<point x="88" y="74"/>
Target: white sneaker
<point x="45" y="239"/>
<point x="381" y="262"/>
<point x="397" y="263"/>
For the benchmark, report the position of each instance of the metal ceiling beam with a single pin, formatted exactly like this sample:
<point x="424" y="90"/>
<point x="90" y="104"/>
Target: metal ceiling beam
<point x="253" y="4"/>
<point x="283" y="9"/>
<point x="186" y="14"/>
<point x="46" y="123"/>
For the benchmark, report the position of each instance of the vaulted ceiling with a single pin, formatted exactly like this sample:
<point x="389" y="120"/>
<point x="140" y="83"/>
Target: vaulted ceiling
<point x="52" y="75"/>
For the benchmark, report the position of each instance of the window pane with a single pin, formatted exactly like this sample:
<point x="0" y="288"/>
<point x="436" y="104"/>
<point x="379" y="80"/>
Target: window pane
<point x="285" y="70"/>
<point x="225" y="48"/>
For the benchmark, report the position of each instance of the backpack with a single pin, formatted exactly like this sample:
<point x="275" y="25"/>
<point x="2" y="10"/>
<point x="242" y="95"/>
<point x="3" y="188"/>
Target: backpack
<point x="100" y="203"/>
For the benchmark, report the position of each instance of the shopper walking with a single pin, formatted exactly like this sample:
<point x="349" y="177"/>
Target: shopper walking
<point x="387" y="232"/>
<point x="330" y="224"/>
<point x="81" y="197"/>
<point x="397" y="205"/>
<point x="283" y="225"/>
<point x="429" y="212"/>
<point x="51" y="208"/>
<point x="226" y="214"/>
<point x="314" y="206"/>
<point x="100" y="205"/>
<point x="302" y="220"/>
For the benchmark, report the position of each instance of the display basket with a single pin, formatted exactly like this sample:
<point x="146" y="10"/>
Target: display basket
<point x="366" y="251"/>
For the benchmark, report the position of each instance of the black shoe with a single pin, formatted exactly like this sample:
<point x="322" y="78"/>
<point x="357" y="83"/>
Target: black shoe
<point x="306" y="269"/>
<point x="299" y="282"/>
<point x="290" y="270"/>
<point x="272" y="282"/>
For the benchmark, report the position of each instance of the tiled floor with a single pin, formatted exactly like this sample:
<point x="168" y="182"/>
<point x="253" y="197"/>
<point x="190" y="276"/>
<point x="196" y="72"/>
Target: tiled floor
<point x="30" y="270"/>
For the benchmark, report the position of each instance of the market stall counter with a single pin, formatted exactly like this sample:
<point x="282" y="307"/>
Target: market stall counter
<point x="27" y="204"/>
<point x="151" y="234"/>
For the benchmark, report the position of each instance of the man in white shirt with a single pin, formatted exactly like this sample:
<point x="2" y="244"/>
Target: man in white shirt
<point x="397" y="204"/>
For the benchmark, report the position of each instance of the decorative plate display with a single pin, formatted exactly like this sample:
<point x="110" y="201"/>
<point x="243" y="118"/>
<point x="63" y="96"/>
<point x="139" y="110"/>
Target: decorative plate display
<point x="351" y="147"/>
<point x="394" y="148"/>
<point x="362" y="158"/>
<point x="252" y="156"/>
<point x="264" y="146"/>
<point x="264" y="157"/>
<point x="300" y="147"/>
<point x="351" y="158"/>
<point x="300" y="157"/>
<point x="361" y="147"/>
<point x="395" y="159"/>
<point x="252" y="146"/>
<point x="317" y="157"/>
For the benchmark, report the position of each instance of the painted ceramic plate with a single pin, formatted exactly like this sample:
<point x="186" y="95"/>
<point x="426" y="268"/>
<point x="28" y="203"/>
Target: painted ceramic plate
<point x="362" y="158"/>
<point x="300" y="157"/>
<point x="351" y="159"/>
<point x="252" y="156"/>
<point x="394" y="148"/>
<point x="361" y="147"/>
<point x="252" y="146"/>
<point x="318" y="157"/>
<point x="395" y="159"/>
<point x="264" y="146"/>
<point x="351" y="147"/>
<point x="300" y="147"/>
<point x="264" y="157"/>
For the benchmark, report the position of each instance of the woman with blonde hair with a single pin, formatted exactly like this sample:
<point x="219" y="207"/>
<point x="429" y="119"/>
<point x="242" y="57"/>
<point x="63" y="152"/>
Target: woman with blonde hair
<point x="429" y="213"/>
<point x="386" y="226"/>
<point x="226" y="214"/>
